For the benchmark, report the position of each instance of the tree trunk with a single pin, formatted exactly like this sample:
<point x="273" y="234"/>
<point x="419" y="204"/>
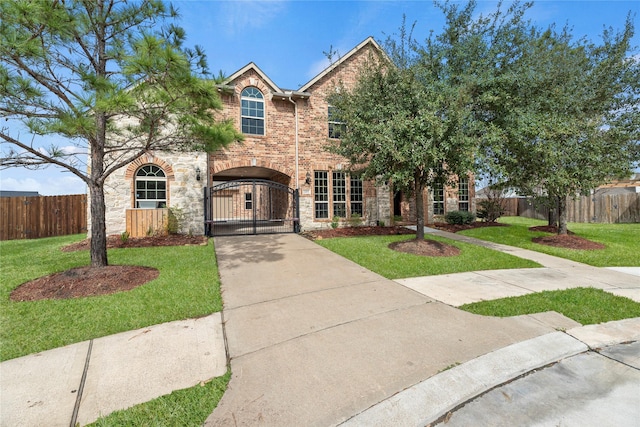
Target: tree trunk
<point x="419" y="210"/>
<point x="562" y="215"/>
<point x="553" y="216"/>
<point x="98" y="227"/>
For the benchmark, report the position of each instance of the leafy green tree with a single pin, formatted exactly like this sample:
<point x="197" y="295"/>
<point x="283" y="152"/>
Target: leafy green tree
<point x="110" y="77"/>
<point x="564" y="114"/>
<point x="410" y="117"/>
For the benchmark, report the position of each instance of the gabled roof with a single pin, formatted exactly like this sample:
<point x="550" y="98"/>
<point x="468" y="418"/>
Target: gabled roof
<point x="368" y="40"/>
<point x="257" y="69"/>
<point x="302" y="92"/>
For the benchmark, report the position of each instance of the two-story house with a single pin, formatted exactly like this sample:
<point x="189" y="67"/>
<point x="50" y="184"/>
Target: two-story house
<point x="280" y="178"/>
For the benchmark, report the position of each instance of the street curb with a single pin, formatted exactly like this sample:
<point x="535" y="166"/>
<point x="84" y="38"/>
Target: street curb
<point x="429" y="400"/>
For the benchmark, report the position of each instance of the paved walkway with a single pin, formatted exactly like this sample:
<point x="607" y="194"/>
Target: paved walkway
<point x="557" y="273"/>
<point x="315" y="339"/>
<point x="81" y="382"/>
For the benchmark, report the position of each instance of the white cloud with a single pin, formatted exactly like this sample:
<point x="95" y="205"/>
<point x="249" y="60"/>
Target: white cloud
<point x="72" y="149"/>
<point x="317" y="67"/>
<point x="47" y="182"/>
<point x="247" y="14"/>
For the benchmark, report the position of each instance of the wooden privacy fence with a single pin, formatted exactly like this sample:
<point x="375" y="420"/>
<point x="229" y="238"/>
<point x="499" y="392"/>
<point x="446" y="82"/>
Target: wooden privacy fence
<point x="146" y="222"/>
<point x="42" y="216"/>
<point x="607" y="209"/>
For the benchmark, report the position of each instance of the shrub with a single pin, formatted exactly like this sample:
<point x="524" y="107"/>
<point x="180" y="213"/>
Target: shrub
<point x="175" y="220"/>
<point x="490" y="210"/>
<point x="355" y="220"/>
<point x="460" y="217"/>
<point x="335" y="221"/>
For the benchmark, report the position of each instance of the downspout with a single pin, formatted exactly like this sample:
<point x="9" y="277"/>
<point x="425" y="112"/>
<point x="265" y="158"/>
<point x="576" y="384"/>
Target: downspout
<point x="295" y="113"/>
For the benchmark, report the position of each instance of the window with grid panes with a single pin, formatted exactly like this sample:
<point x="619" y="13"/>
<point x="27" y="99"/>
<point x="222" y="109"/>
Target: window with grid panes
<point x="248" y="201"/>
<point x="339" y="184"/>
<point x="151" y="187"/>
<point x="463" y="194"/>
<point x="252" y="111"/>
<point x="356" y="196"/>
<point x="438" y="199"/>
<point x="321" y="194"/>
<point x="336" y="128"/>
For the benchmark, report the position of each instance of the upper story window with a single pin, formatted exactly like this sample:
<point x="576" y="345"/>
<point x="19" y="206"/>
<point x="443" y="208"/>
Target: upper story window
<point x="252" y="111"/>
<point x="336" y="128"/>
<point x="151" y="187"/>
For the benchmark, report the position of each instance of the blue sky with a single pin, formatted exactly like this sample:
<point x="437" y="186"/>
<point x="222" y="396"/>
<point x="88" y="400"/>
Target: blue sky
<point x="287" y="38"/>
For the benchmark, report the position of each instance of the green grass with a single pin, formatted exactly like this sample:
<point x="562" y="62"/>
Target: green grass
<point x="587" y="306"/>
<point x="188" y="407"/>
<point x="187" y="287"/>
<point x="622" y="241"/>
<point x="372" y="252"/>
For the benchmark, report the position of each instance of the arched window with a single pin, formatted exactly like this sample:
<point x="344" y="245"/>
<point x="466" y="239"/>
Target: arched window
<point x="151" y="187"/>
<point x="252" y="111"/>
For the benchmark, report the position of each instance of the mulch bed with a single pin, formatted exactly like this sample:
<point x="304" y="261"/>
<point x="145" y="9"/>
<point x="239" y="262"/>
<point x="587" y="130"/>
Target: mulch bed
<point x="425" y="248"/>
<point x="454" y="228"/>
<point x="115" y="241"/>
<point x="87" y="281"/>
<point x="568" y="241"/>
<point x="548" y="229"/>
<point x="84" y="282"/>
<point x="329" y="233"/>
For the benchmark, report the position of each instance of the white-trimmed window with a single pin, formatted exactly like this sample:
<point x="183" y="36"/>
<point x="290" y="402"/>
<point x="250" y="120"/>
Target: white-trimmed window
<point x="438" y="199"/>
<point x="321" y="194"/>
<point x="337" y="194"/>
<point x="248" y="201"/>
<point x="463" y="194"/>
<point x="336" y="128"/>
<point x="252" y="114"/>
<point x="356" y="196"/>
<point x="151" y="187"/>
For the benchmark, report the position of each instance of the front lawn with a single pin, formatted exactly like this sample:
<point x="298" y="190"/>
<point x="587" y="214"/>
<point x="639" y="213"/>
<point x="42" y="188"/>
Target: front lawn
<point x="372" y="252"/>
<point x="586" y="306"/>
<point x="622" y="241"/>
<point x="182" y="408"/>
<point x="187" y="287"/>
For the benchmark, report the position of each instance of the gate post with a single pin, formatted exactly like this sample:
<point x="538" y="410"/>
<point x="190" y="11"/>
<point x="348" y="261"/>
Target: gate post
<point x="253" y="205"/>
<point x="207" y="216"/>
<point x="296" y="203"/>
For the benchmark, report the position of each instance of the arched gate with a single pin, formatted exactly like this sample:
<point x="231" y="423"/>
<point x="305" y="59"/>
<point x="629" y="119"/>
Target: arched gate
<point x="251" y="206"/>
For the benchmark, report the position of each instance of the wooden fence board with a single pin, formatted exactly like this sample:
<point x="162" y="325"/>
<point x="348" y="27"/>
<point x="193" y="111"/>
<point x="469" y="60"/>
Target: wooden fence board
<point x="605" y="209"/>
<point x="143" y="222"/>
<point x="43" y="216"/>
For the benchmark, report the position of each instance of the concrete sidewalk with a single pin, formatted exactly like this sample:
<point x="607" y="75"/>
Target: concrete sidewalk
<point x="81" y="382"/>
<point x="558" y="273"/>
<point x="315" y="339"/>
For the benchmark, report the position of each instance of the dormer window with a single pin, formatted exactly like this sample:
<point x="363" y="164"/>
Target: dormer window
<point x="252" y="111"/>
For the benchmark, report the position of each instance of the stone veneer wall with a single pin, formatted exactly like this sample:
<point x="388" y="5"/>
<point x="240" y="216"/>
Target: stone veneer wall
<point x="185" y="192"/>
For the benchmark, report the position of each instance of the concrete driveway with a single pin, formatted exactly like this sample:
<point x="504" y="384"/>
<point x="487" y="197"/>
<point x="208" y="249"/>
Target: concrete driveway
<point x="315" y="339"/>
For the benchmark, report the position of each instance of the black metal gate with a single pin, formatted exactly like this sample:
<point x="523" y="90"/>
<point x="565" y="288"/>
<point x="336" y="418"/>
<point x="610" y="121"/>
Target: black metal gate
<point x="255" y="206"/>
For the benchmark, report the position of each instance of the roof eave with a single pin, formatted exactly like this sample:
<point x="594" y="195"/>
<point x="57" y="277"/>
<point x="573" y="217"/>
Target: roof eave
<point x="331" y="67"/>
